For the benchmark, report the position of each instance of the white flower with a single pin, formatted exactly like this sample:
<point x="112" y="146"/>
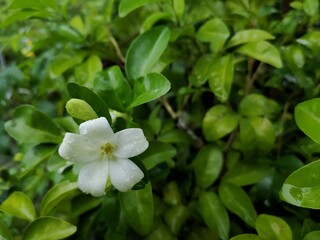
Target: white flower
<point x="105" y="155"/>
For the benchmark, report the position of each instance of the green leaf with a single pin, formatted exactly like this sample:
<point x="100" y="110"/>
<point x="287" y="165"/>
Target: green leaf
<point x="153" y="18"/>
<point x="150" y="87"/>
<point x="29" y="125"/>
<point x="311" y="40"/>
<point x="315" y="235"/>
<point x="175" y="217"/>
<point x="207" y="165"/>
<point x="48" y="228"/>
<point x="145" y="51"/>
<point x="157" y="153"/>
<point x="254" y="105"/>
<point x="302" y="187"/>
<point x="5" y="233"/>
<point x="84" y="93"/>
<point x="179" y="7"/>
<point x="215" y="32"/>
<point x="202" y="69"/>
<point x="214" y="214"/>
<point x="138" y="208"/>
<point x="40" y="5"/>
<point x="262" y="51"/>
<point x="34" y="157"/>
<point x="83" y="203"/>
<point x="311" y="7"/>
<point x="273" y="228"/>
<point x="21" y="15"/>
<point x="247" y="36"/>
<point x="64" y="62"/>
<point x="218" y="122"/>
<point x="86" y="72"/>
<point x="55" y="195"/>
<point x="307" y="117"/>
<point x="127" y="6"/>
<point x="113" y="88"/>
<point x="221" y="77"/>
<point x="246" y="237"/>
<point x="237" y="201"/>
<point x="293" y="56"/>
<point x="19" y="205"/>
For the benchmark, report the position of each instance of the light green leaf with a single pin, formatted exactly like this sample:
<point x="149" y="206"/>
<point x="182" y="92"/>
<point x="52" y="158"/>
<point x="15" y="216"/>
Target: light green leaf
<point x="237" y="201"/>
<point x="113" y="88"/>
<point x="19" y="205"/>
<point x="273" y="228"/>
<point x="29" y="125"/>
<point x="254" y="105"/>
<point x="145" y="51"/>
<point x="246" y="237"/>
<point x="84" y="93"/>
<point x="215" y="32"/>
<point x="86" y="72"/>
<point x="153" y="18"/>
<point x="221" y="77"/>
<point x="311" y="40"/>
<point x="150" y="87"/>
<point x="262" y="51"/>
<point x="175" y="217"/>
<point x="248" y="35"/>
<point x="5" y="233"/>
<point x="40" y="5"/>
<point x="64" y="62"/>
<point x="127" y="6"/>
<point x="55" y="195"/>
<point x="214" y="214"/>
<point x="293" y="55"/>
<point x="314" y="235"/>
<point x="48" y="228"/>
<point x="218" y="122"/>
<point x="207" y="165"/>
<point x="138" y="208"/>
<point x="311" y="7"/>
<point x="20" y="15"/>
<point x="307" y="117"/>
<point x="157" y="153"/>
<point x="202" y="69"/>
<point x="302" y="187"/>
<point x="179" y="8"/>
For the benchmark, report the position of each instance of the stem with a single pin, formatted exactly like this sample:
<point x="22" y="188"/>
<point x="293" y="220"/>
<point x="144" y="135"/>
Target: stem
<point x="282" y="120"/>
<point x="117" y="48"/>
<point x="251" y="75"/>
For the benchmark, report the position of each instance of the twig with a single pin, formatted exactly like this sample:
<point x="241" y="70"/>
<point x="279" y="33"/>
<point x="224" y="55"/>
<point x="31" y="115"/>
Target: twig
<point x="117" y="48"/>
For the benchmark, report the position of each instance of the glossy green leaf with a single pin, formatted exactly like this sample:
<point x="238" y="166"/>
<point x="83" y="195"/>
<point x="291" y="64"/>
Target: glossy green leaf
<point x="214" y="31"/>
<point x="113" y="88"/>
<point x="64" y="62"/>
<point x="246" y="237"/>
<point x="307" y="117"/>
<point x="55" y="195"/>
<point x="207" y="165"/>
<point x="202" y="69"/>
<point x="218" y="122"/>
<point x="273" y="228"/>
<point x="34" y="157"/>
<point x="248" y="35"/>
<point x="29" y="125"/>
<point x="19" y="205"/>
<point x="127" y="6"/>
<point x="237" y="201"/>
<point x="86" y="72"/>
<point x="83" y="203"/>
<point x="262" y="51"/>
<point x="157" y="152"/>
<point x="311" y="40"/>
<point x="95" y="101"/>
<point x="138" y="208"/>
<point x="294" y="57"/>
<point x="221" y="77"/>
<point x="175" y="217"/>
<point x="145" y="51"/>
<point x="315" y="235"/>
<point x="214" y="214"/>
<point x="153" y="18"/>
<point x="254" y="105"/>
<point x="5" y="233"/>
<point x="148" y="88"/>
<point x="48" y="228"/>
<point x="311" y="7"/>
<point x="179" y="7"/>
<point x="302" y="187"/>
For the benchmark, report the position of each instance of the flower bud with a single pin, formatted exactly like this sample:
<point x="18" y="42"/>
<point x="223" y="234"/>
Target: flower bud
<point x="80" y="109"/>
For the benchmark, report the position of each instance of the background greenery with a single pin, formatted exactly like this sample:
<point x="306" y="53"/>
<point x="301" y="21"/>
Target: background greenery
<point x="213" y="84"/>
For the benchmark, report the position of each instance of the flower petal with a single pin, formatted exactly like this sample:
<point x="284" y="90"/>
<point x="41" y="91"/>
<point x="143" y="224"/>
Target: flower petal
<point x="98" y="128"/>
<point x="93" y="178"/>
<point x="130" y="142"/>
<point x="124" y="174"/>
<point x="77" y="148"/>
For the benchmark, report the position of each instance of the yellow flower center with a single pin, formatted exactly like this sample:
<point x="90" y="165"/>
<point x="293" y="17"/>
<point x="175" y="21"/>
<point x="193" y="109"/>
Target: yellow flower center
<point x="107" y="148"/>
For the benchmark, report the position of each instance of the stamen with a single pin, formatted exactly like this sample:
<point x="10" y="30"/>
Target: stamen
<point x="107" y="148"/>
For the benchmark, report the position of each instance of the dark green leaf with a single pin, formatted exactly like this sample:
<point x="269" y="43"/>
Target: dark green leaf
<point x="48" y="228"/>
<point x="19" y="205"/>
<point x="145" y="51"/>
<point x="5" y="233"/>
<point x="175" y="217"/>
<point x="311" y="40"/>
